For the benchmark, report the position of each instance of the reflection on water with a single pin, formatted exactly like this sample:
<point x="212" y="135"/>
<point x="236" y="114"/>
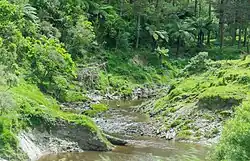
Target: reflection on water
<point x="121" y="108"/>
<point x="163" y="151"/>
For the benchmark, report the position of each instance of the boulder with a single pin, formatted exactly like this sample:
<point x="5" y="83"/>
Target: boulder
<point x="115" y="140"/>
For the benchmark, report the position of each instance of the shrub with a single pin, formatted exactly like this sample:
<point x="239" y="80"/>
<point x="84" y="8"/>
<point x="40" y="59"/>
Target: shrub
<point x="73" y="96"/>
<point x="226" y="53"/>
<point x="50" y="65"/>
<point x="235" y="140"/>
<point x="197" y="64"/>
<point x="80" y="37"/>
<point x="6" y="102"/>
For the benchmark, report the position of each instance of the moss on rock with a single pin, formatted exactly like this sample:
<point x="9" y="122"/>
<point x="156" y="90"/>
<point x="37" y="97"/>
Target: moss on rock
<point x="95" y="109"/>
<point x="222" y="97"/>
<point x="34" y="109"/>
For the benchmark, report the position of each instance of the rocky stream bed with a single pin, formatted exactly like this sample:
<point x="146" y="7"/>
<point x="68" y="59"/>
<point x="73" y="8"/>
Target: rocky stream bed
<point x="140" y="134"/>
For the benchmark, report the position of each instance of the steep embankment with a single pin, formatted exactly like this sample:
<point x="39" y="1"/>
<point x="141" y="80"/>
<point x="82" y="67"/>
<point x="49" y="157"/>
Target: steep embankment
<point x="37" y="120"/>
<point x="201" y="99"/>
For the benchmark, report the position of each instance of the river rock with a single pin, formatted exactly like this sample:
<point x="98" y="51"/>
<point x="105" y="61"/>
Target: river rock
<point x="115" y="140"/>
<point x="84" y="136"/>
<point x="170" y="134"/>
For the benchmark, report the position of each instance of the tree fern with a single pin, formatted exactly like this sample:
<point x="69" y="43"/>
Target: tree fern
<point x="30" y="12"/>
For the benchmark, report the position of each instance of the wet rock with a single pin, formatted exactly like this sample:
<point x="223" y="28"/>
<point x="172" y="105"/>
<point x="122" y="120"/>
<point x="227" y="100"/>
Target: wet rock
<point x="95" y="96"/>
<point x="171" y="134"/>
<point x="158" y="132"/>
<point x="77" y="107"/>
<point x="115" y="140"/>
<point x="126" y="122"/>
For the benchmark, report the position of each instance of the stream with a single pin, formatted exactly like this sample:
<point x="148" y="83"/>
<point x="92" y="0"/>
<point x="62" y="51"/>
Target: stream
<point x="139" y="131"/>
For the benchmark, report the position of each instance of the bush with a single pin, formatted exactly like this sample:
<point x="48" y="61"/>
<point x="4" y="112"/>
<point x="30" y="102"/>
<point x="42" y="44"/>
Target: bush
<point x="197" y="64"/>
<point x="80" y="37"/>
<point x="50" y="65"/>
<point x="235" y="140"/>
<point x="73" y="96"/>
<point x="226" y="53"/>
<point x="6" y="103"/>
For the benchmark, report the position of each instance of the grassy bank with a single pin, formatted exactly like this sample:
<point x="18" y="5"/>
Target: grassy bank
<point x="204" y="95"/>
<point x="30" y="108"/>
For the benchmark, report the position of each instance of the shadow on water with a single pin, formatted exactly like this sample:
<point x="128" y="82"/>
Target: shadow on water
<point x="139" y="148"/>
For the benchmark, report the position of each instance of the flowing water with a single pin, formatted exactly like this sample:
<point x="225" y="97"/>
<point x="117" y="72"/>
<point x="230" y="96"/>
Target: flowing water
<point x="121" y="121"/>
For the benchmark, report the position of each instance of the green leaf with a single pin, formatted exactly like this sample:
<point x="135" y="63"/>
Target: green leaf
<point x="156" y="37"/>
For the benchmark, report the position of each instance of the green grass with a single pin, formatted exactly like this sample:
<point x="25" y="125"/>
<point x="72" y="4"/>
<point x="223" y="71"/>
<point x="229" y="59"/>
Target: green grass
<point x="227" y="53"/>
<point x="95" y="109"/>
<point x="35" y="104"/>
<point x="184" y="134"/>
<point x="33" y="109"/>
<point x="222" y="96"/>
<point x="74" y="96"/>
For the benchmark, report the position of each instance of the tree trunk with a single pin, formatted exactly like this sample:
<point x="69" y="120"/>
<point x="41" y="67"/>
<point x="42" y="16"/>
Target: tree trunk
<point x="221" y="23"/>
<point x="248" y="47"/>
<point x="121" y="7"/>
<point x="202" y="38"/>
<point x="195" y="7"/>
<point x="200" y="8"/>
<point x="154" y="44"/>
<point x="117" y="39"/>
<point x="234" y="35"/>
<point x="245" y="36"/>
<point x="208" y="38"/>
<point x="138" y="31"/>
<point x="160" y="58"/>
<point x="239" y="41"/>
<point x="178" y="46"/>
<point x="199" y="42"/>
<point x="210" y="17"/>
<point x="156" y="4"/>
<point x="234" y="30"/>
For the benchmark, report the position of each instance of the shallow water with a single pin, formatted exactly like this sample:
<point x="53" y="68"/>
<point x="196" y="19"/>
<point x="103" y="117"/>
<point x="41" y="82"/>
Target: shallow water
<point x="139" y="148"/>
<point x="142" y="152"/>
